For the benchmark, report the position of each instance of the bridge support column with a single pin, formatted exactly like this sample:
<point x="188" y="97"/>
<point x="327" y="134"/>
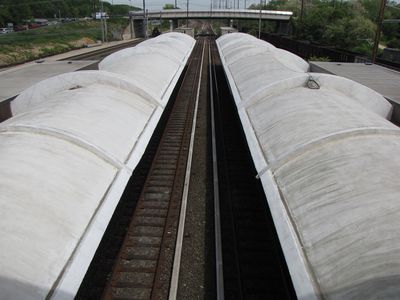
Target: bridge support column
<point x="283" y="27"/>
<point x="138" y="28"/>
<point x="173" y="24"/>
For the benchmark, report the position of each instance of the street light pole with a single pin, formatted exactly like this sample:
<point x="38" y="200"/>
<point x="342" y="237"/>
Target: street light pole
<point x="378" y="30"/>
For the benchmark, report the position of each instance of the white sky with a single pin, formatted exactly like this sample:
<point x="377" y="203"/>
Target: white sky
<point x="193" y="4"/>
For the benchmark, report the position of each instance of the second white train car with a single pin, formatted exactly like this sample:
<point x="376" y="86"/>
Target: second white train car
<point x="329" y="162"/>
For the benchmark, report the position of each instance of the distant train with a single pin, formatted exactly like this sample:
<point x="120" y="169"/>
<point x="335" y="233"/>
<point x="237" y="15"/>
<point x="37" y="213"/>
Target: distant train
<point x="329" y="162"/>
<point x="66" y="156"/>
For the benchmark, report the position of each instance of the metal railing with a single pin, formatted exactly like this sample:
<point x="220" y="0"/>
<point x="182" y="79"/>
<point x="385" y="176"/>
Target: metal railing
<point x="307" y="50"/>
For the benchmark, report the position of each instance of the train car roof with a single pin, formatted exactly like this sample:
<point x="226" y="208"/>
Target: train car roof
<point x="65" y="158"/>
<point x="328" y="160"/>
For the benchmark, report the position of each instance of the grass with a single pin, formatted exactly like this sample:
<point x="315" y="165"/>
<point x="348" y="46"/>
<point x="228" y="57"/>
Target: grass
<point x="19" y="47"/>
<point x="59" y="33"/>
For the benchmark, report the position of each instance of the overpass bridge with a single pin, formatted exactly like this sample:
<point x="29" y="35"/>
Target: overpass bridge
<point x="245" y="14"/>
<point x="139" y="18"/>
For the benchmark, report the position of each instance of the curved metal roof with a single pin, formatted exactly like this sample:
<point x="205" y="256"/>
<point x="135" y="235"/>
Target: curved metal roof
<point x="329" y="164"/>
<point x="65" y="158"/>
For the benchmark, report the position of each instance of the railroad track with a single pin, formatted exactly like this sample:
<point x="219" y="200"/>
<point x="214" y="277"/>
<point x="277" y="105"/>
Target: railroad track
<point x="143" y="255"/>
<point x="137" y="257"/>
<point x="102" y="264"/>
<point x="253" y="263"/>
<point x="101" y="53"/>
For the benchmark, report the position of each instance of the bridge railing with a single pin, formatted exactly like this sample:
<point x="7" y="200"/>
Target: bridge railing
<point x="215" y="13"/>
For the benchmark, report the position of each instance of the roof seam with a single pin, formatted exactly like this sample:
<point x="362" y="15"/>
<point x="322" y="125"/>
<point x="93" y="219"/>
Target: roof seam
<point x="68" y="137"/>
<point x="329" y="138"/>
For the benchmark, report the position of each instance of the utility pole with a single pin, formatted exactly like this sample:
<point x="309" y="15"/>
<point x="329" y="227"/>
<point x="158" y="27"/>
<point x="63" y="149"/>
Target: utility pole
<point x="102" y="22"/>
<point x="378" y="30"/>
<point x="301" y="11"/>
<point x="105" y="28"/>
<point x="144" y="19"/>
<point x="187" y="13"/>
<point x="131" y="25"/>
<point x="259" y="23"/>
<point x="130" y="19"/>
<point x="94" y="9"/>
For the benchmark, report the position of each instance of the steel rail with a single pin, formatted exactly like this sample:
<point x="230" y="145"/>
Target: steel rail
<point x="144" y="265"/>
<point x="217" y="218"/>
<point x="181" y="226"/>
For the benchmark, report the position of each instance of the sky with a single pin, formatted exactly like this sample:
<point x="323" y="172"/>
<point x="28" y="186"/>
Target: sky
<point x="193" y="4"/>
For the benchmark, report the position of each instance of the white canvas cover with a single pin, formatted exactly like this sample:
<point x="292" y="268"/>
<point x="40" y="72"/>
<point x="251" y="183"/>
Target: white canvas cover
<point x="329" y="163"/>
<point x="167" y="52"/>
<point x="65" y="158"/>
<point x="254" y="65"/>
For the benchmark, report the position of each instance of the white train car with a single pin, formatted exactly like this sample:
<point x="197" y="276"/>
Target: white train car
<point x="329" y="163"/>
<point x="65" y="158"/>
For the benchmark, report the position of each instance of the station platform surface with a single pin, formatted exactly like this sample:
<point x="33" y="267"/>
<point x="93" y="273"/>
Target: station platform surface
<point x="16" y="79"/>
<point x="383" y="80"/>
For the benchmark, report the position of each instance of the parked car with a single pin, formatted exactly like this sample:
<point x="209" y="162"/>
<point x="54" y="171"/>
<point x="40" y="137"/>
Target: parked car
<point x="33" y="26"/>
<point x="4" y="30"/>
<point x="41" y="22"/>
<point x="21" y="27"/>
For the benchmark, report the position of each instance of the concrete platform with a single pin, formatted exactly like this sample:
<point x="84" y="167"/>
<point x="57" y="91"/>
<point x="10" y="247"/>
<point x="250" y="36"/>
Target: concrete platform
<point x="383" y="80"/>
<point x="92" y="48"/>
<point x="14" y="80"/>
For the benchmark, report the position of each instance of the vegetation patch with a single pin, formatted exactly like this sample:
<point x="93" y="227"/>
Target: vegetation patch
<point x="348" y="25"/>
<point x="19" y="47"/>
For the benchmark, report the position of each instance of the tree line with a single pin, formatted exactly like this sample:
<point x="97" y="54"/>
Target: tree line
<point x="344" y="24"/>
<point x="19" y="11"/>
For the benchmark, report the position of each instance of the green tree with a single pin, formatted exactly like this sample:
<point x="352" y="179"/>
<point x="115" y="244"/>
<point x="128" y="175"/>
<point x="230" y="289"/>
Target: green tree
<point x="355" y="34"/>
<point x="119" y="10"/>
<point x="348" y="25"/>
<point x="169" y="6"/>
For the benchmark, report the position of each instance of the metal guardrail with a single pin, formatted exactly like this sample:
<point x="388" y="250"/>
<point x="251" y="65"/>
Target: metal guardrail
<point x="307" y="50"/>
